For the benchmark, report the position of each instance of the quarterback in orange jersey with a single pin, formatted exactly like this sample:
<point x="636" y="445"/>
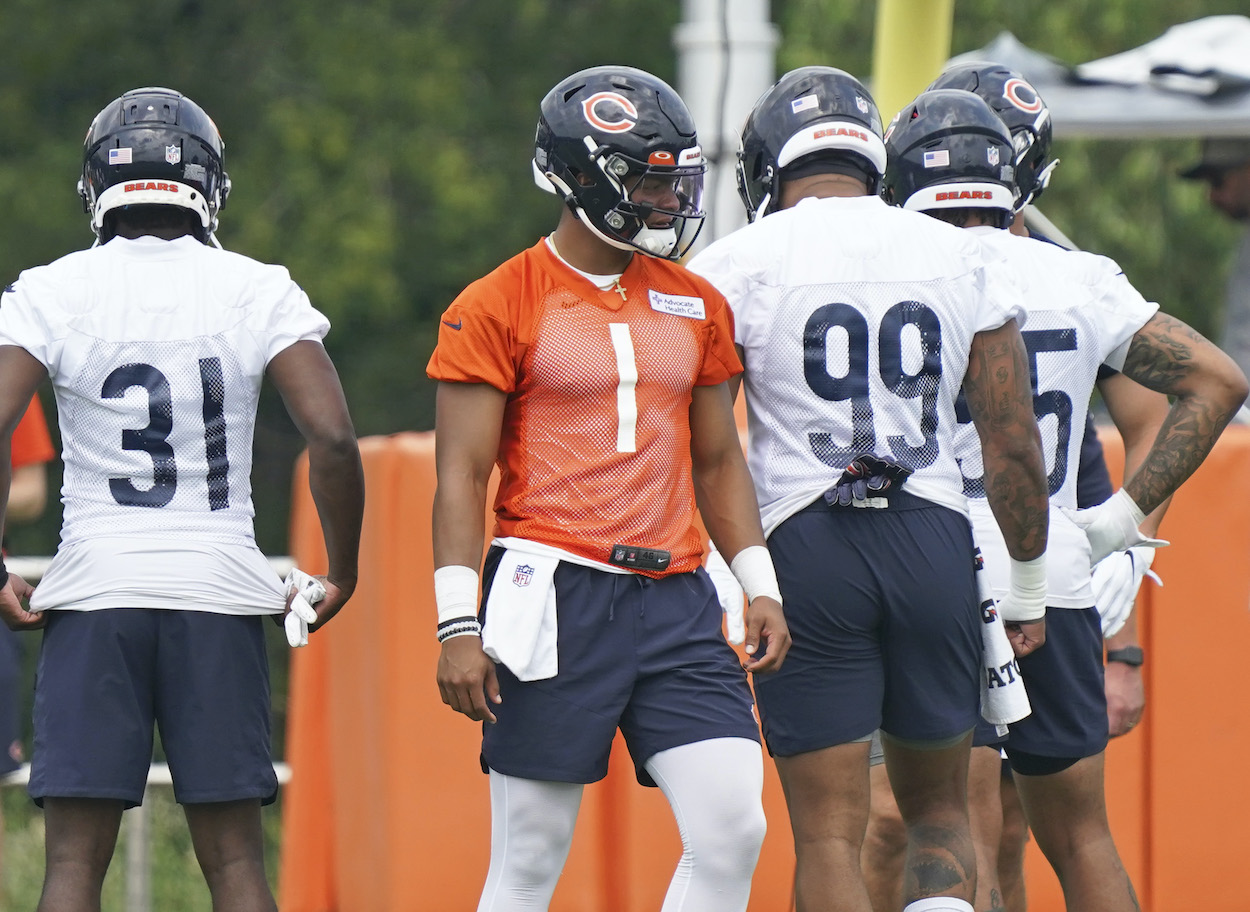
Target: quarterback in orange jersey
<point x="594" y="371"/>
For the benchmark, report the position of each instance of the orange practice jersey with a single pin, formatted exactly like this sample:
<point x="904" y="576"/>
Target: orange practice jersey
<point x="595" y="449"/>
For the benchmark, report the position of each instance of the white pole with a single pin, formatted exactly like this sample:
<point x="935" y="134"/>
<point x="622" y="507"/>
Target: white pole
<point x="725" y="61"/>
<point x="138" y="860"/>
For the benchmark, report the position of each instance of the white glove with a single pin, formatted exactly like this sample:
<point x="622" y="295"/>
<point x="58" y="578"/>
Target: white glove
<point x="1112" y="526"/>
<point x="729" y="593"/>
<point x="308" y="591"/>
<point x="1116" y="579"/>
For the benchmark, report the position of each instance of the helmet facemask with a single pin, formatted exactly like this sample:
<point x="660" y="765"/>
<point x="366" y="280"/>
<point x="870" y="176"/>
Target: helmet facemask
<point x="642" y="190"/>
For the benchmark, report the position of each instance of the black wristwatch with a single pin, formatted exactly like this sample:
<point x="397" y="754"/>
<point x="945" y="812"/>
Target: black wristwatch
<point x="1128" y="655"/>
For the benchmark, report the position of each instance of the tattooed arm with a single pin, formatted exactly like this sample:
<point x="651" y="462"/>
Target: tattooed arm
<point x="1001" y="402"/>
<point x="1169" y="357"/>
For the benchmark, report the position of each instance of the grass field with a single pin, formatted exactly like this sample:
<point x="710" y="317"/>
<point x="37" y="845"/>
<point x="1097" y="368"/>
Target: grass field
<point x="176" y="883"/>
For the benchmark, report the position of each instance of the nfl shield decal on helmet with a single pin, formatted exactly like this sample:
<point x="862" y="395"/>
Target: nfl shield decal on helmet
<point x="992" y="155"/>
<point x="173" y="154"/>
<point x="523" y="576"/>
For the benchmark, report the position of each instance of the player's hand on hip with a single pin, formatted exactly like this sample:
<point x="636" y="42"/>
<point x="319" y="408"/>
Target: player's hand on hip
<point x="767" y="633"/>
<point x="1025" y="636"/>
<point x="1112" y="526"/>
<point x="16" y="617"/>
<point x="467" y="679"/>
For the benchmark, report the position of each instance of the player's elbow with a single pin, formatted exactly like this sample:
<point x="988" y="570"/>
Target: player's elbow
<point x="1219" y="383"/>
<point x="334" y="446"/>
<point x="1234" y="387"/>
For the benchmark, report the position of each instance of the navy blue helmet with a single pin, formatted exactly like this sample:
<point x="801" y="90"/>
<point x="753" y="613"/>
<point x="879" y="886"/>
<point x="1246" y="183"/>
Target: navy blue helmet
<point x="153" y="146"/>
<point x="602" y="132"/>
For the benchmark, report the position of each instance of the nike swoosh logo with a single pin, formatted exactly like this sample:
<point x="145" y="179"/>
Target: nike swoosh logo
<point x="456" y="325"/>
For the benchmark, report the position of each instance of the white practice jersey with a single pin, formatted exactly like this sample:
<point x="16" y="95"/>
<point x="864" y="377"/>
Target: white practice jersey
<point x="156" y="350"/>
<point x="1082" y="313"/>
<point x="855" y="319"/>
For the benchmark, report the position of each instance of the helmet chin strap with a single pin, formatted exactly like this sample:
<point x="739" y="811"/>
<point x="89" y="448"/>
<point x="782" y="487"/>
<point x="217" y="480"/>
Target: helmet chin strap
<point x="656" y="241"/>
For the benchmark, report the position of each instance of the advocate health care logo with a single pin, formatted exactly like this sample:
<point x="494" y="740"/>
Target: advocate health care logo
<point x="610" y="112"/>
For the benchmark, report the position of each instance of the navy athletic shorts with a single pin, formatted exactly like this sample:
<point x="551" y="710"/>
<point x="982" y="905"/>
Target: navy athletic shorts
<point x="105" y="677"/>
<point x="1065" y="681"/>
<point x="643" y="655"/>
<point x="882" y="605"/>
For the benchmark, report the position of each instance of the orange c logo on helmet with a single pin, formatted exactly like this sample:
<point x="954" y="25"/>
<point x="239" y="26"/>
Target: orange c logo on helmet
<point x="662" y="158"/>
<point x="1030" y="103"/>
<point x="621" y="115"/>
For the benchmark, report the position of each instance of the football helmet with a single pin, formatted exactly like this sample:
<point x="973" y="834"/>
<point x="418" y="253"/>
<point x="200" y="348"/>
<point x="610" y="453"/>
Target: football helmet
<point x="608" y="132"/>
<point x="948" y="150"/>
<point x="809" y="110"/>
<point x="1018" y="105"/>
<point x="153" y="146"/>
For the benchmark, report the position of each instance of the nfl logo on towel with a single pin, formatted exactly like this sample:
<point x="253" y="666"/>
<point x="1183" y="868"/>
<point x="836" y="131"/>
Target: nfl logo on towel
<point x="523" y="576"/>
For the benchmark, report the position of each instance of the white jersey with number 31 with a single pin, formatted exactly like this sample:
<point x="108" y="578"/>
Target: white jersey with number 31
<point x="157" y="350"/>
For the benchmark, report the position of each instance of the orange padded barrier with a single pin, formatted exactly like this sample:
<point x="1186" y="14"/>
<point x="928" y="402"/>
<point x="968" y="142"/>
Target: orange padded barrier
<point x="387" y="810"/>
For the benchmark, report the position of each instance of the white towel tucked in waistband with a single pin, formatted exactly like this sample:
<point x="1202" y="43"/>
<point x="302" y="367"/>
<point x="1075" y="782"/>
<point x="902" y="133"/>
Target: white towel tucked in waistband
<point x="520" y="629"/>
<point x="1003" y="697"/>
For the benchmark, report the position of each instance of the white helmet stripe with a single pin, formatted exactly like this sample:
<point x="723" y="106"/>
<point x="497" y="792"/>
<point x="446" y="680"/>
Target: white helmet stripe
<point x="961" y="195"/>
<point x="141" y="192"/>
<point x="834" y="135"/>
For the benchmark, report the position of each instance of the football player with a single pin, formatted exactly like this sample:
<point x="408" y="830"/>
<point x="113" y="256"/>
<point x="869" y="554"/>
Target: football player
<point x="858" y="324"/>
<point x="594" y="369"/>
<point x="157" y="342"/>
<point x="1082" y="313"/>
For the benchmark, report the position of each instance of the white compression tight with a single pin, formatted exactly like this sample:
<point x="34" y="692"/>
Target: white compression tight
<point x="714" y="789"/>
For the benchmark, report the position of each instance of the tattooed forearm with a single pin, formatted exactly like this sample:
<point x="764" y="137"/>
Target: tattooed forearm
<point x="1019" y="503"/>
<point x="1187" y="436"/>
<point x="1001" y="402"/>
<point x="1170" y="357"/>
<point x="991" y="386"/>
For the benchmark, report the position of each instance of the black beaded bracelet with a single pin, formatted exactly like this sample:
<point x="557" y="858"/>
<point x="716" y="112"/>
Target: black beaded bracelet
<point x="462" y="626"/>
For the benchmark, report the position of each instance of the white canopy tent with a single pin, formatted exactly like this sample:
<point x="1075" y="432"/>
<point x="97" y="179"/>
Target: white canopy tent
<point x="1194" y="80"/>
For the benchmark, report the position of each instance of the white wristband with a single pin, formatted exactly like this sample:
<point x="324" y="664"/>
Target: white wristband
<point x="753" y="568"/>
<point x="1027" y="595"/>
<point x="455" y="592"/>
